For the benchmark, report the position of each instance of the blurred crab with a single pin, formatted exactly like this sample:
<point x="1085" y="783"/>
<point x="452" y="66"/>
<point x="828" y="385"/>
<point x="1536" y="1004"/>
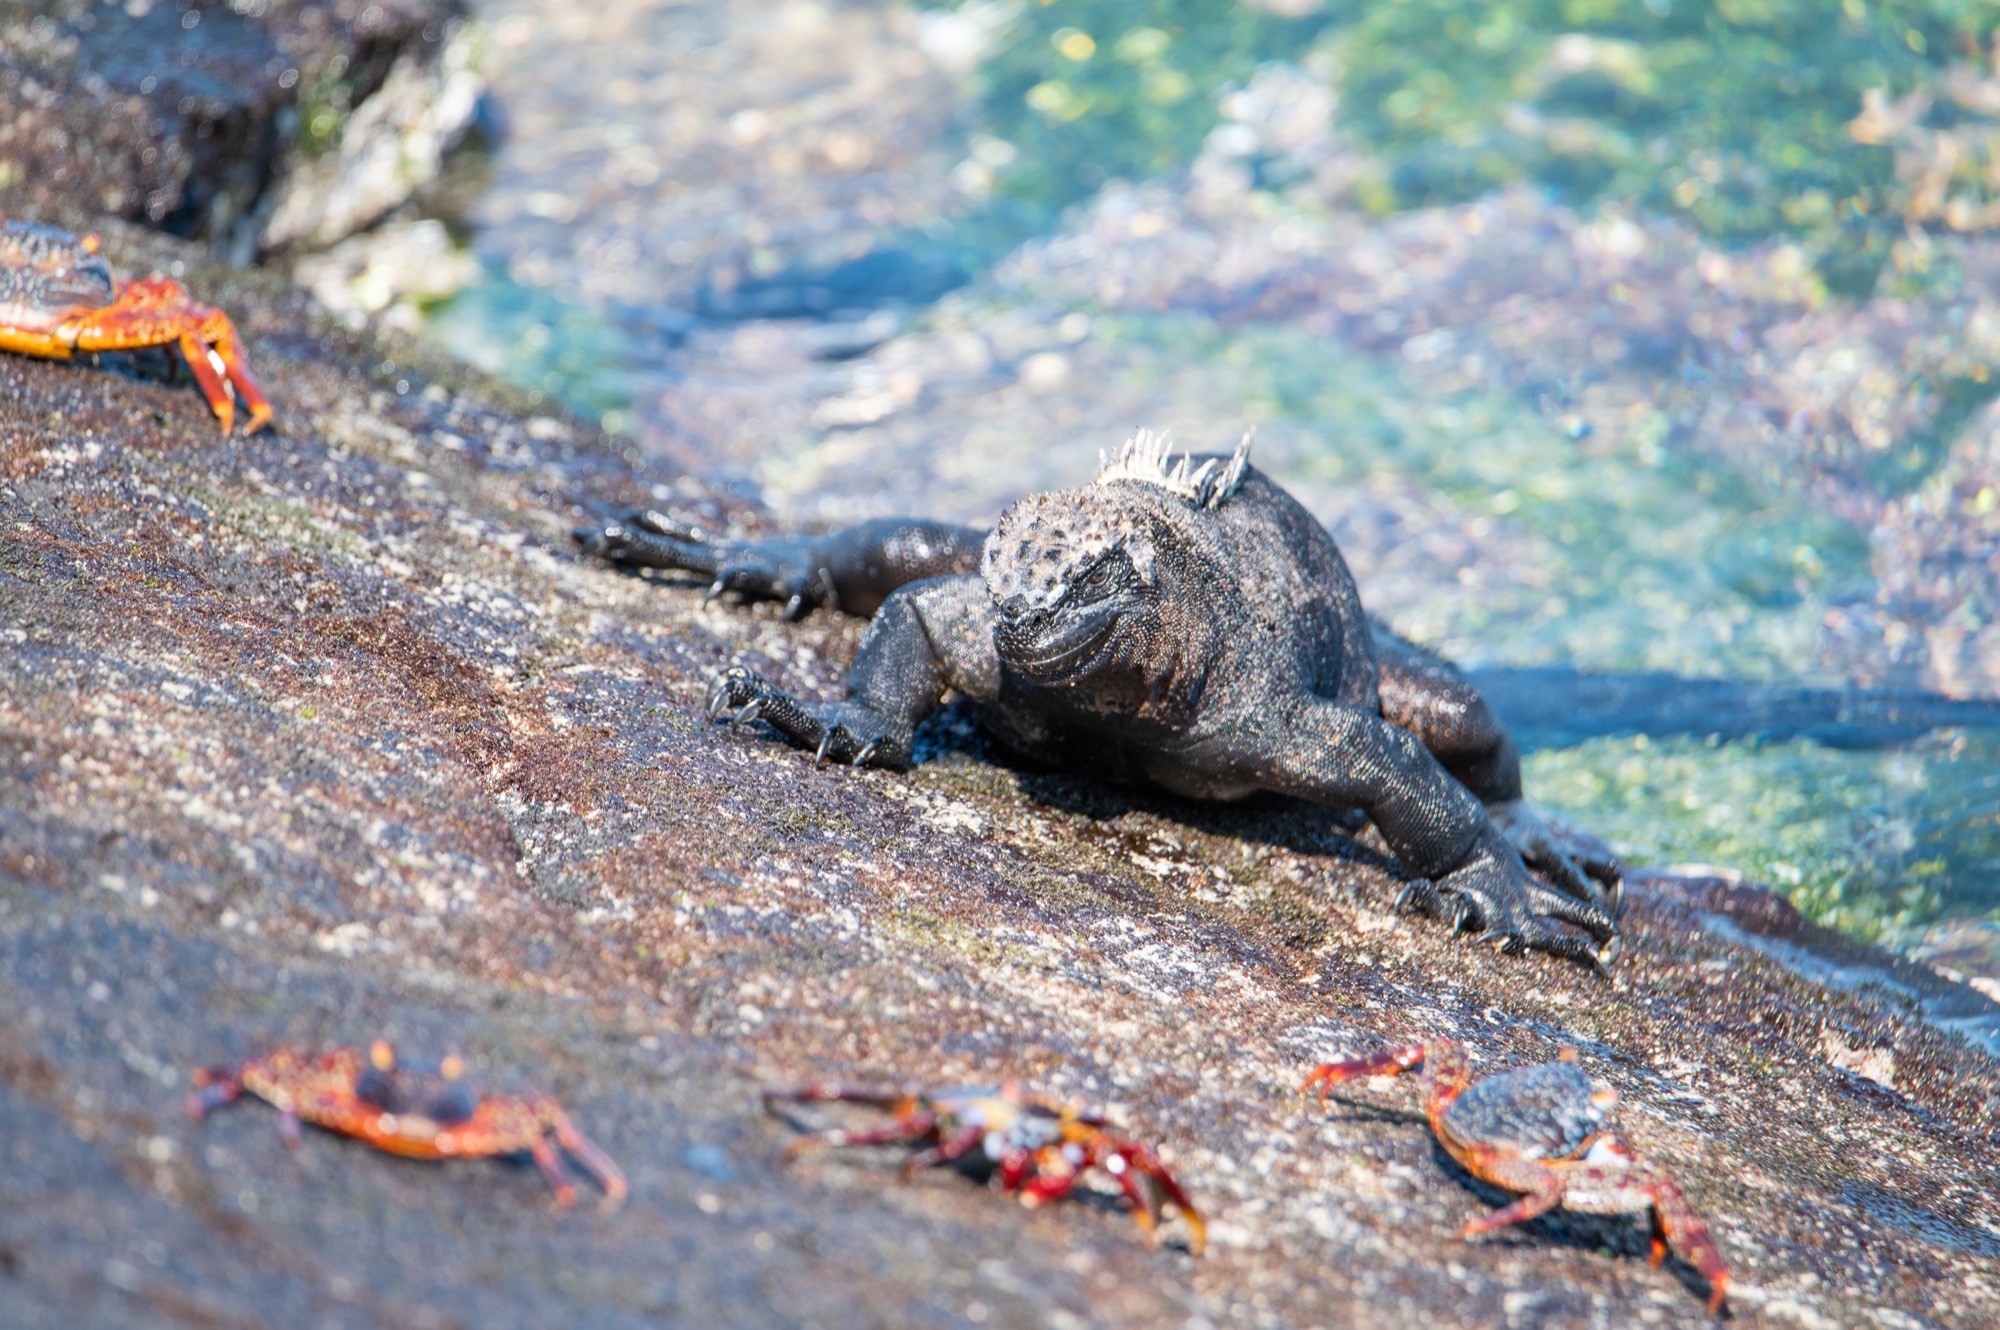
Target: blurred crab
<point x="1542" y="1131"/>
<point x="1040" y="1148"/>
<point x="57" y="297"/>
<point x="415" y="1112"/>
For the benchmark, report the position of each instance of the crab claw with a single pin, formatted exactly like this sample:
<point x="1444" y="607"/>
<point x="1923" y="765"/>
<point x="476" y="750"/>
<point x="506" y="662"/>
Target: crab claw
<point x="213" y="1087"/>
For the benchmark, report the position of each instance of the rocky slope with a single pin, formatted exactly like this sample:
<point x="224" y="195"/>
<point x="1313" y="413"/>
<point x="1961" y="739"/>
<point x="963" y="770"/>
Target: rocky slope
<point x="326" y="734"/>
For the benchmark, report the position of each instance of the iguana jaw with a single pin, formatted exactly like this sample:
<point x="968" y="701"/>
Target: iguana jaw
<point x="1049" y="646"/>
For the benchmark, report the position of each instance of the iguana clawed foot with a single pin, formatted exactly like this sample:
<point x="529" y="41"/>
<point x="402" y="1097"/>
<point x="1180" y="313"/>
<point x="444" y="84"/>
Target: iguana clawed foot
<point x="1512" y="908"/>
<point x="1578" y="863"/>
<point x="843" y="731"/>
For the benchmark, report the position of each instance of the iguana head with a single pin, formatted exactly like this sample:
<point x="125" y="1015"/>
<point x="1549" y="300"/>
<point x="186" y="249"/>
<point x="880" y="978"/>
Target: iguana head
<point x="1077" y="577"/>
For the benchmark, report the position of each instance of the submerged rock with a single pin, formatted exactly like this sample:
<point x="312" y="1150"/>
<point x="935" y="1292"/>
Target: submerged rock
<point x="325" y="733"/>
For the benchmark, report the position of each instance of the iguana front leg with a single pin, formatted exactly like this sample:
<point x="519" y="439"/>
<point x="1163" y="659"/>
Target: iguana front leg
<point x="1332" y="753"/>
<point x="928" y="637"/>
<point x="1426" y="695"/>
<point x="853" y="569"/>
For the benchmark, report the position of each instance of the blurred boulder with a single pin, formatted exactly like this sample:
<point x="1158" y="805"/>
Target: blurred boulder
<point x="255" y="127"/>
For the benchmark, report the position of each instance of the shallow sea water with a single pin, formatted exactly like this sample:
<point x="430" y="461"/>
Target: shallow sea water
<point x="1481" y="517"/>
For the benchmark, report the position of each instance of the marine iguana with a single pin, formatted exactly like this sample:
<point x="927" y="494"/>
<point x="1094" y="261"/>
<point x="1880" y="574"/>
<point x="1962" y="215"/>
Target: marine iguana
<point x="1189" y="626"/>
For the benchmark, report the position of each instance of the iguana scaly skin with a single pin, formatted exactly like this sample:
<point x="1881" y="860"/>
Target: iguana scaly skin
<point x="1191" y="627"/>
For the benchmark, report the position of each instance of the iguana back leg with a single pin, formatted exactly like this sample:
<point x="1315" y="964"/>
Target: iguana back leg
<point x="1427" y="695"/>
<point x="1331" y="753"/>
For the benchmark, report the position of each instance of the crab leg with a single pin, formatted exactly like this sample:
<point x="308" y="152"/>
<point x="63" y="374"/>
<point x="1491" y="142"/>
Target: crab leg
<point x="1676" y="1221"/>
<point x="213" y="1088"/>
<point x="551" y="1164"/>
<point x="830" y="1092"/>
<point x="1542" y="1187"/>
<point x="1146" y="1208"/>
<point x="945" y="1152"/>
<point x="1139" y="1159"/>
<point x="1619" y="1188"/>
<point x="594" y="1160"/>
<point x="1128" y="1162"/>
<point x="49" y="346"/>
<point x="220" y="333"/>
<point x="1390" y="1062"/>
<point x="157" y="310"/>
<point x="912" y="1123"/>
<point x="196" y="353"/>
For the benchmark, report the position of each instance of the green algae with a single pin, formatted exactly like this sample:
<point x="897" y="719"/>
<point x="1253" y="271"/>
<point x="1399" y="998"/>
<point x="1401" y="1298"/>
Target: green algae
<point x="1637" y="558"/>
<point x="1738" y="114"/>
<point x="554" y="348"/>
<point x="1875" y="843"/>
<point x="1107" y="89"/>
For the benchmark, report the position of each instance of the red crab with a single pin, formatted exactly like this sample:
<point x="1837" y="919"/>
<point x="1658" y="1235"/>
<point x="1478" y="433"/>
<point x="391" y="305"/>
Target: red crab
<point x="416" y="1113"/>
<point x="57" y="297"/>
<point x="1039" y="1147"/>
<point x="1542" y="1131"/>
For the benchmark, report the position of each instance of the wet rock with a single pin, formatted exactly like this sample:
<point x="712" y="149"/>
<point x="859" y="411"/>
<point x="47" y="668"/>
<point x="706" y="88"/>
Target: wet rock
<point x="1555" y="707"/>
<point x="1721" y="891"/>
<point x="387" y="271"/>
<point x="326" y="733"/>
<point x="256" y="127"/>
<point x="747" y="160"/>
<point x="889" y="276"/>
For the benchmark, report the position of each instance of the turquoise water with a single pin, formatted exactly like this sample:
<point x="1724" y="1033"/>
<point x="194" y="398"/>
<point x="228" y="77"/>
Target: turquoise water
<point x="1738" y="115"/>
<point x="533" y="338"/>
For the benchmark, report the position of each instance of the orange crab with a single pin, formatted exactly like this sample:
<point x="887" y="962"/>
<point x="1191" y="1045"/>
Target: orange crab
<point x="1038" y="1147"/>
<point x="1543" y="1131"/>
<point x="413" y="1112"/>
<point x="57" y="297"/>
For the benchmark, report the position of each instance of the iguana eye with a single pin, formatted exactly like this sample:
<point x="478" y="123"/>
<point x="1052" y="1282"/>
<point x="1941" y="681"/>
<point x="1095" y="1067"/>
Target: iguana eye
<point x="1099" y="577"/>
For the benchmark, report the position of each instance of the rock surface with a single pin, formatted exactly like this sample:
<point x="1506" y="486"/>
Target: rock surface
<point x="325" y="734"/>
<point x="255" y="126"/>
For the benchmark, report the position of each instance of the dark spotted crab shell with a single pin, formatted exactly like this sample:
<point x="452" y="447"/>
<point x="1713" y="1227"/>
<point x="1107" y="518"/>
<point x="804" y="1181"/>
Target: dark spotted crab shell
<point x="1546" y="1112"/>
<point x="45" y="272"/>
